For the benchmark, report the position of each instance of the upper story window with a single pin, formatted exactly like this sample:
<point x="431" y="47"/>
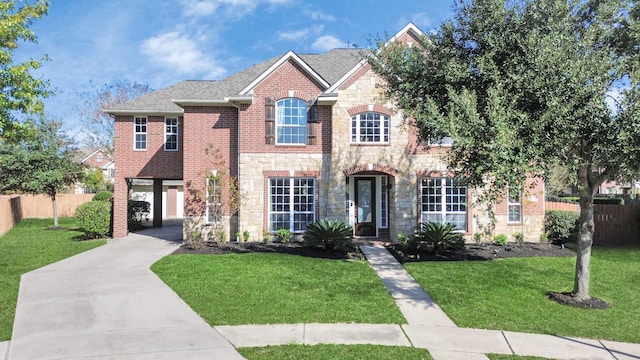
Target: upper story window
<point x="291" y="121"/>
<point x="99" y="158"/>
<point x="171" y="134"/>
<point x="444" y="141"/>
<point x="140" y="133"/>
<point x="370" y="127"/>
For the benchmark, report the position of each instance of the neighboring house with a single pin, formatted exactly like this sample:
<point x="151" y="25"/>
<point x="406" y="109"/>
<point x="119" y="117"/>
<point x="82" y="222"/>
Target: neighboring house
<point x="307" y="137"/>
<point x="616" y="188"/>
<point x="97" y="159"/>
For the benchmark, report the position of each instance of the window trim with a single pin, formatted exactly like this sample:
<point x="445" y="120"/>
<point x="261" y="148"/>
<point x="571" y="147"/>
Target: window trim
<point x="302" y="117"/>
<point x="440" y="142"/>
<point x="136" y="133"/>
<point x="515" y="203"/>
<point x="292" y="205"/>
<point x="355" y="135"/>
<point x="167" y="134"/>
<point x="213" y="192"/>
<point x="443" y="200"/>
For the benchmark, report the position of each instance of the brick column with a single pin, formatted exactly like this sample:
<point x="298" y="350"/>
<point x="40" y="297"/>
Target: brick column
<point x="120" y="197"/>
<point x="172" y="201"/>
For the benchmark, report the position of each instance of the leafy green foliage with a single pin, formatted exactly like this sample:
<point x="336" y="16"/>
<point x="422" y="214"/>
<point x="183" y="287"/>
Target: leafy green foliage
<point x="521" y="93"/>
<point x="500" y="239"/>
<point x="284" y="235"/>
<point x="561" y="226"/>
<point x="436" y="237"/>
<point x="20" y="91"/>
<point x="518" y="238"/>
<point x="94" y="218"/>
<point x="329" y="234"/>
<point x="93" y="180"/>
<point x="103" y="196"/>
<point x="41" y="164"/>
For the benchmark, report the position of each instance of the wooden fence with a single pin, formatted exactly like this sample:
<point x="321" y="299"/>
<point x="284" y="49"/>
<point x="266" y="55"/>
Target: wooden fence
<point x="617" y="225"/>
<point x="14" y="208"/>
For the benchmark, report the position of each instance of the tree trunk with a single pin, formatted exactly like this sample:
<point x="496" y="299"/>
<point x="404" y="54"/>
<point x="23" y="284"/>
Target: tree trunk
<point x="585" y="238"/>
<point x="55" y="210"/>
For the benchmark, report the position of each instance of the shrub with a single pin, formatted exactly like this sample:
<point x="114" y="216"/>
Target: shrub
<point x="137" y="211"/>
<point x="477" y="238"/>
<point x="561" y="226"/>
<point x="94" y="218"/>
<point x="403" y="239"/>
<point x="284" y="235"/>
<point x="103" y="196"/>
<point x="329" y="234"/>
<point x="438" y="237"/>
<point x="500" y="239"/>
<point x="246" y="235"/>
<point x="518" y="237"/>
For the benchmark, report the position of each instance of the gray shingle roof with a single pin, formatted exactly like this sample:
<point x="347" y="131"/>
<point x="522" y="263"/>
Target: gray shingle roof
<point x="331" y="66"/>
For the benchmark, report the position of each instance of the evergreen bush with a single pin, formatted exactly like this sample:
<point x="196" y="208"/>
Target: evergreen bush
<point x="330" y="235"/>
<point x="94" y="218"/>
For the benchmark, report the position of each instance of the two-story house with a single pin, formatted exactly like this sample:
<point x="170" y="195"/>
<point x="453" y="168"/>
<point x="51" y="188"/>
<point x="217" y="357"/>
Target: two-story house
<point x="98" y="160"/>
<point x="307" y="136"/>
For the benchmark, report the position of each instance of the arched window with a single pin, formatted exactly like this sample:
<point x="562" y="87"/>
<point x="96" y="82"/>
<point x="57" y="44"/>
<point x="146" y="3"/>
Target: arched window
<point x="370" y="127"/>
<point x="291" y="121"/>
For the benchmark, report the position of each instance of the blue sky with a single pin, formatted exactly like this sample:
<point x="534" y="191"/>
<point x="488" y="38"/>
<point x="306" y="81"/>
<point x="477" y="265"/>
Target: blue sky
<point x="161" y="42"/>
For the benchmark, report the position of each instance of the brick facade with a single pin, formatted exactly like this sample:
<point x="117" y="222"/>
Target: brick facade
<point x="231" y="138"/>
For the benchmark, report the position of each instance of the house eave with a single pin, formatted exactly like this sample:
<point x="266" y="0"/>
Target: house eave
<point x="145" y="112"/>
<point x="227" y="101"/>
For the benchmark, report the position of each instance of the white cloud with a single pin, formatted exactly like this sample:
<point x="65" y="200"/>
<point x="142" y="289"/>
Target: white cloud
<point x="327" y="42"/>
<point x="319" y="15"/>
<point x="300" y="34"/>
<point x="236" y="8"/>
<point x="181" y="54"/>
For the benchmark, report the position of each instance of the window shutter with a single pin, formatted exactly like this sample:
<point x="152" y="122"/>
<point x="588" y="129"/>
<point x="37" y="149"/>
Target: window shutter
<point x="312" y="112"/>
<point x="270" y="121"/>
<point x="311" y="133"/>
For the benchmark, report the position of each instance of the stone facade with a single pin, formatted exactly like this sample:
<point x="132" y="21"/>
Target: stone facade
<point x="235" y="129"/>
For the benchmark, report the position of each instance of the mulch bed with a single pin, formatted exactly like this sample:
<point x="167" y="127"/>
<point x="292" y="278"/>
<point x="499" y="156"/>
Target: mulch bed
<point x="292" y="248"/>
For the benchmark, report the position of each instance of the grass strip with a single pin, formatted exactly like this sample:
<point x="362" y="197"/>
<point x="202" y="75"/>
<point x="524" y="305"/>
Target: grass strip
<point x="510" y="294"/>
<point x="337" y="352"/>
<point x="261" y="288"/>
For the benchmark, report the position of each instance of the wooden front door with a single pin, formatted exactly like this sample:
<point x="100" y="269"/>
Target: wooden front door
<point x="365" y="199"/>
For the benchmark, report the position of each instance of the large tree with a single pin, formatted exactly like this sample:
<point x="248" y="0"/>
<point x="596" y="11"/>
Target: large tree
<point x="20" y="91"/>
<point x="41" y="164"/>
<point x="100" y="125"/>
<point x="524" y="85"/>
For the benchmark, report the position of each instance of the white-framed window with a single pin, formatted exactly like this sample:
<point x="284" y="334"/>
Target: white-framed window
<point x="514" y="206"/>
<point x="384" y="202"/>
<point x="171" y="134"/>
<point x="445" y="141"/>
<point x="214" y="200"/>
<point x="99" y="157"/>
<point x="369" y="127"/>
<point x="444" y="200"/>
<point x="140" y="133"/>
<point x="291" y="121"/>
<point x="292" y="203"/>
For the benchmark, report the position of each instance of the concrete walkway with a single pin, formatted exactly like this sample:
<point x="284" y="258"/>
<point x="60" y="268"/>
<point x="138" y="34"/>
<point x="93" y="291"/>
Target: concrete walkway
<point x="107" y="304"/>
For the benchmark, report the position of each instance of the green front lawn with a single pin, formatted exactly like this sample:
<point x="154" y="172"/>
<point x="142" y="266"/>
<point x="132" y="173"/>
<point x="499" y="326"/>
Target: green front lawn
<point x="267" y="288"/>
<point x="29" y="246"/>
<point x="337" y="352"/>
<point x="509" y="294"/>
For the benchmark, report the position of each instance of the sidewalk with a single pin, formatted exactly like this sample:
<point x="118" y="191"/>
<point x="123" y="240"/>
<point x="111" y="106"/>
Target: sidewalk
<point x="107" y="304"/>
